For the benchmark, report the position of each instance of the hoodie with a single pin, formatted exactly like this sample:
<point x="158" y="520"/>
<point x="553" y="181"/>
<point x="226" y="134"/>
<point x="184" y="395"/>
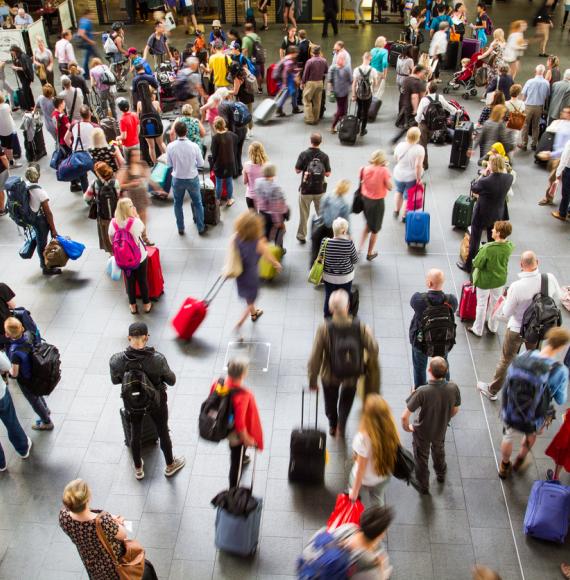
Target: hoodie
<point x="152" y="363"/>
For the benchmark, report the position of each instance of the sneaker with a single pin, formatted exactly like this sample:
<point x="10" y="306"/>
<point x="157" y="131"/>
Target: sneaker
<point x="472" y="331"/>
<point x="27" y="454"/>
<point x="176" y="465"/>
<point x="15" y="165"/>
<point x="41" y="426"/>
<point x="441" y="478"/>
<point x="3" y="468"/>
<point x="51" y="271"/>
<point x="505" y="469"/>
<point x="139" y="472"/>
<point x="484" y="390"/>
<point x="181" y="232"/>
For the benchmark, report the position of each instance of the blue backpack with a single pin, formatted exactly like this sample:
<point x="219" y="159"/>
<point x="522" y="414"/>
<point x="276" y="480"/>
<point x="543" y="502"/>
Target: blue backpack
<point x="18" y="202"/>
<point x="241" y="114"/>
<point x="324" y="559"/>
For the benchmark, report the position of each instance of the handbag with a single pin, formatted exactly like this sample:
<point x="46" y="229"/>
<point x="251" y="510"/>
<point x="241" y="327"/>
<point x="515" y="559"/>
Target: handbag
<point x="405" y="465"/>
<point x="316" y="273"/>
<point x="57" y="157"/>
<point x="233" y="266"/>
<point x="74" y="250"/>
<point x="113" y="271"/>
<point x="130" y="566"/>
<point x="454" y="37"/>
<point x="357" y="203"/>
<point x="29" y="247"/>
<point x="345" y="512"/>
<point x="54" y="255"/>
<point x="77" y="164"/>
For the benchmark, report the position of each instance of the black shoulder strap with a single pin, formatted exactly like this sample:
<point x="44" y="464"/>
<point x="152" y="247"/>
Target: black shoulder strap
<point x="73" y="102"/>
<point x="544" y="285"/>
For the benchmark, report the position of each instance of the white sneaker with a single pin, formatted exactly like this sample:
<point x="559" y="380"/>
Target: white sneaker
<point x="139" y="473"/>
<point x="484" y="390"/>
<point x="28" y="451"/>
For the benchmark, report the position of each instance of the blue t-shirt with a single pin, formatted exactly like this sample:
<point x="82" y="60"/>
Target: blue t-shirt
<point x="18" y="353"/>
<point x="438" y="20"/>
<point x="379" y="59"/>
<point x="87" y="25"/>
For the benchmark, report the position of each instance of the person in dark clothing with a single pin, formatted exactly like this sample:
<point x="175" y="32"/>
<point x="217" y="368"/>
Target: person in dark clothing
<point x="223" y="158"/>
<point x="502" y="83"/>
<point x="435" y="280"/>
<point x="154" y="365"/>
<point x="226" y="112"/>
<point x="491" y="192"/>
<point x="141" y="76"/>
<point x="24" y="70"/>
<point x="331" y="11"/>
<point x="78" y="81"/>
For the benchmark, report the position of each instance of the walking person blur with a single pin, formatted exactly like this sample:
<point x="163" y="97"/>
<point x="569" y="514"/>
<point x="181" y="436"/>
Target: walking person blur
<point x="23" y="69"/>
<point x="16" y="434"/>
<point x="312" y="84"/>
<point x="365" y="83"/>
<point x="224" y="159"/>
<point x="271" y="205"/>
<point x="252" y="170"/>
<point x="109" y="153"/>
<point x="44" y="103"/>
<point x="535" y="94"/>
<point x="516" y="45"/>
<point x="64" y="52"/>
<point x="543" y="23"/>
<point x="7" y="131"/>
<point x="563" y="175"/>
<point x="340" y="82"/>
<point x="86" y="34"/>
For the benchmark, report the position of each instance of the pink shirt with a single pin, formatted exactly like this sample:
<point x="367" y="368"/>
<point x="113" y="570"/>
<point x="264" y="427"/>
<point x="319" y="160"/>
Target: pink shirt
<point x="252" y="172"/>
<point x="211" y="114"/>
<point x="375" y="180"/>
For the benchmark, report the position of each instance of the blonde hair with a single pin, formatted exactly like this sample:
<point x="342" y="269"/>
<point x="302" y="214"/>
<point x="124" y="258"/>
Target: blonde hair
<point x="95" y="62"/>
<point x="498" y="164"/>
<point x="123" y="211"/>
<point x="342" y="187"/>
<point x="484" y="573"/>
<point x="499" y="34"/>
<point x="13" y="327"/>
<point x="98" y="138"/>
<point x="76" y="495"/>
<point x="380" y="42"/>
<point x="48" y="91"/>
<point x="498" y="112"/>
<point x="378" y="423"/>
<point x="249" y="226"/>
<point x="339" y="227"/>
<point x="378" y="157"/>
<point x="219" y="124"/>
<point x="256" y="153"/>
<point x="413" y="135"/>
<point x="516" y="26"/>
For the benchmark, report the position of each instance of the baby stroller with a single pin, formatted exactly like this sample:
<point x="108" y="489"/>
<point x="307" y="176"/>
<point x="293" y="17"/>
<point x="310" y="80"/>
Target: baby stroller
<point x="166" y="76"/>
<point x="465" y="79"/>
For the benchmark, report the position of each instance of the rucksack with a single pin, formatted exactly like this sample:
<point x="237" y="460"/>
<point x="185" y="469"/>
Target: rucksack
<point x="125" y="248"/>
<point x="241" y="114"/>
<point x="541" y="315"/>
<point x="363" y="86"/>
<point x="137" y="391"/>
<point x="324" y="558"/>
<point x="249" y="83"/>
<point x="45" y="364"/>
<point x="526" y="396"/>
<point x="107" y="77"/>
<point x="18" y="201"/>
<point x="106" y="201"/>
<point x="436" y="335"/>
<point x="258" y="53"/>
<point x="30" y="327"/>
<point x="182" y="87"/>
<point x="435" y="116"/>
<point x="345" y="349"/>
<point x="215" y="418"/>
<point x="313" y="177"/>
<point x="516" y="119"/>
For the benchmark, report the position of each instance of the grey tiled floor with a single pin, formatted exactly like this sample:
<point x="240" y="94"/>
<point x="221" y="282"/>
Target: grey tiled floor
<point x="472" y="518"/>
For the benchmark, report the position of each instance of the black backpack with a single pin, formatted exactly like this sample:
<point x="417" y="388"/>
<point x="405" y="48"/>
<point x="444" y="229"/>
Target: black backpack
<point x="541" y="315"/>
<point x="106" y="201"/>
<point x="216" y="414"/>
<point x="436" y="335"/>
<point x="137" y="391"/>
<point x="346" y="351"/>
<point x="313" y="177"/>
<point x="435" y="116"/>
<point x="363" y="86"/>
<point x="258" y="56"/>
<point x="45" y="367"/>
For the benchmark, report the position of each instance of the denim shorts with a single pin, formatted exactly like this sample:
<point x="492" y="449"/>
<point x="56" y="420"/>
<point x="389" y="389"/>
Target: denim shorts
<point x="403" y="186"/>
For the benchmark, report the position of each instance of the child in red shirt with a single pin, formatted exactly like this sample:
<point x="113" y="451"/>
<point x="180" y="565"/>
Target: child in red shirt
<point x="129" y="125"/>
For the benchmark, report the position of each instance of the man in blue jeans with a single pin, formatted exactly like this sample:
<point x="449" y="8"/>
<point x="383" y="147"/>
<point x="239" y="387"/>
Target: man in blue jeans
<point x="85" y="32"/>
<point x="185" y="158"/>
<point x="289" y="72"/>
<point x="420" y="301"/>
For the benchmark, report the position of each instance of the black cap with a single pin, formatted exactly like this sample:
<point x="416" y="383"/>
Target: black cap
<point x="138" y="329"/>
<point x="374" y="521"/>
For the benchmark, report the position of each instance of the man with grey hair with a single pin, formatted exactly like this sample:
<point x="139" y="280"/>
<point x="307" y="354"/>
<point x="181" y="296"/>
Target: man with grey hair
<point x="73" y="98"/>
<point x="535" y="93"/>
<point x="337" y="357"/>
<point x="188" y="85"/>
<point x="518" y="299"/>
<point x="313" y="82"/>
<point x="559" y="97"/>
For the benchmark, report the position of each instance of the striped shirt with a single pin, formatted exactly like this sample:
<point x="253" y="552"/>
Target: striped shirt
<point x="340" y="257"/>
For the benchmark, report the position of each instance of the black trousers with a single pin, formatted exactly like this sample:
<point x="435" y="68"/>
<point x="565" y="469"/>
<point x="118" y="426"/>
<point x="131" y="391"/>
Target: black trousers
<point x="241" y="135"/>
<point x="362" y="112"/>
<point x="339" y="398"/>
<point x="139" y="275"/>
<point x="235" y="456"/>
<point x="330" y="16"/>
<point x="41" y="229"/>
<point x="422" y="449"/>
<point x="565" y="201"/>
<point x="159" y="415"/>
<point x="475" y="240"/>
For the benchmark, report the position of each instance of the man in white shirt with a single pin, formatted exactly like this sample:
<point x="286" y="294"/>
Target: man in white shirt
<point x="64" y="52"/>
<point x="535" y="94"/>
<point x="519" y="298"/>
<point x="73" y="98"/>
<point x="79" y="137"/>
<point x="364" y="75"/>
<point x="185" y="158"/>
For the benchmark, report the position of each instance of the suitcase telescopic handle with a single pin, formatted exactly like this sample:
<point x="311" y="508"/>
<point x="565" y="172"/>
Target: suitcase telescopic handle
<point x="216" y="287"/>
<point x="252" y="468"/>
<point x="303" y="407"/>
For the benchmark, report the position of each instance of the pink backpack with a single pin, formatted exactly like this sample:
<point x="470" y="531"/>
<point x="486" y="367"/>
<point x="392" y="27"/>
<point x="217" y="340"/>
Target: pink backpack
<point x="125" y="248"/>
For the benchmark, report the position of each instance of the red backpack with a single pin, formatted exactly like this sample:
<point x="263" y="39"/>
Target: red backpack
<point x="125" y="248"/>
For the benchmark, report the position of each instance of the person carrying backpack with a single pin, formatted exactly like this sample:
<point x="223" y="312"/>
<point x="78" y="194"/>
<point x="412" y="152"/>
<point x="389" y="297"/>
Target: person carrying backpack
<point x="432" y="330"/>
<point x="365" y="83"/>
<point x="533" y="379"/>
<point x="339" y="340"/>
<point x="140" y="366"/>
<point x="104" y="82"/>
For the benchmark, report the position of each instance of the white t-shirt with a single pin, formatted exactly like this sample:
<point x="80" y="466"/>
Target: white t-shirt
<point x="37" y="197"/>
<point x="86" y="135"/>
<point x="406" y="156"/>
<point x="362" y="446"/>
<point x="137" y="230"/>
<point x="517" y="105"/>
<point x="7" y="126"/>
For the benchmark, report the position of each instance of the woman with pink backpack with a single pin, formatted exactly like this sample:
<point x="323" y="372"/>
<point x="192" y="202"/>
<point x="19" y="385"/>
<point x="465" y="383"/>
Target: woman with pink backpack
<point x="126" y="231"/>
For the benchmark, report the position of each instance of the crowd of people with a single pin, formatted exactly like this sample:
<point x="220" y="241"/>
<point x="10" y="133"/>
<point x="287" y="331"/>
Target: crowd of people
<point x="187" y="113"/>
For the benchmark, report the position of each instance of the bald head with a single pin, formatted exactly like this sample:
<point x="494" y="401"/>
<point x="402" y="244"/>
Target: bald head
<point x="435" y="279"/>
<point x="529" y="261"/>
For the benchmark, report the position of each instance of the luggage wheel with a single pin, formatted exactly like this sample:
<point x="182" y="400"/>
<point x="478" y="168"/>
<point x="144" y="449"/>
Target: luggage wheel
<point x="466" y="96"/>
<point x="473" y="92"/>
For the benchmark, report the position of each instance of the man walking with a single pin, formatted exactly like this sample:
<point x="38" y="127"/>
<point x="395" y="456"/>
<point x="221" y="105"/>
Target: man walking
<point x="186" y="159"/>
<point x="330" y="9"/>
<point x="535" y="94"/>
<point x="438" y="402"/>
<point x="313" y="83"/>
<point x="519" y="298"/>
<point x="153" y="370"/>
<point x="314" y="165"/>
<point x="365" y="83"/>
<point x="157" y="45"/>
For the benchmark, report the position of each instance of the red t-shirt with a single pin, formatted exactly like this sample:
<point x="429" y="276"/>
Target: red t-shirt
<point x="61" y="125"/>
<point x="129" y="125"/>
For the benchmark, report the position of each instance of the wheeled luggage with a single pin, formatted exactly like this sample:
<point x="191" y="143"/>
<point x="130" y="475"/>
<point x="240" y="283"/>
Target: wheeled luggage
<point x="396" y="49"/>
<point x="374" y="109"/>
<point x="154" y="275"/>
<point x="266" y="109"/>
<point x="162" y="175"/>
<point x="545" y="144"/>
<point x="461" y="145"/>
<point x="149" y="434"/>
<point x="308" y="450"/>
<point x="418" y="226"/>
<point x="348" y="129"/>
<point x="547" y="511"/>
<point x="469" y="47"/>
<point x="468" y="302"/>
<point x="272" y="85"/>
<point x="451" y="56"/>
<point x="266" y="269"/>
<point x="210" y="202"/>
<point x="462" y="212"/>
<point x="36" y="148"/>
<point x="193" y="311"/>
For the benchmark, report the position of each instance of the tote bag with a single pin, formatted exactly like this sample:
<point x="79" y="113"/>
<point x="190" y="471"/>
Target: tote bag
<point x="233" y="266"/>
<point x="316" y="273"/>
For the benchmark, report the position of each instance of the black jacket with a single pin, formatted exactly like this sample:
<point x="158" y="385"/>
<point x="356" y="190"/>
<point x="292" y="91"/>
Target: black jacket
<point x="153" y="364"/>
<point x="490" y="206"/>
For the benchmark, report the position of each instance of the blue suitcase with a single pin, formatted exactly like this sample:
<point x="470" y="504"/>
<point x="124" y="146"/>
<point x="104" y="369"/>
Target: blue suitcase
<point x="547" y="512"/>
<point x="417" y="228"/>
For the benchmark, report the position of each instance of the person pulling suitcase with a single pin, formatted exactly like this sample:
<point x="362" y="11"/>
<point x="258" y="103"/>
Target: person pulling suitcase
<point x="144" y="373"/>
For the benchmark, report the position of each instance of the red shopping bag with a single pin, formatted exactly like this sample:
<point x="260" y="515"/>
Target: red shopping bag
<point x="345" y="512"/>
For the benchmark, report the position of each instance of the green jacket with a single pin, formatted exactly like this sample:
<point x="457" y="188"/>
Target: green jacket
<point x="491" y="264"/>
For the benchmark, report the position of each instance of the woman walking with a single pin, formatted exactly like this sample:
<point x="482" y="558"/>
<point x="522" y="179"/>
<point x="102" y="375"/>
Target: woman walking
<point x="375" y="183"/>
<point x="24" y="70"/>
<point x="43" y="62"/>
<point x="340" y="79"/>
<point x="46" y="106"/>
<point x="516" y="45"/>
<point x="224" y="147"/>
<point x="257" y="158"/>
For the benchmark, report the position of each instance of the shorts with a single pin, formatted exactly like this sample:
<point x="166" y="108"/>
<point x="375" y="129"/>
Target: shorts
<point x="6" y="141"/>
<point x="3" y="177"/>
<point x="289" y="3"/>
<point x="403" y="186"/>
<point x="510" y="434"/>
<point x="186" y="10"/>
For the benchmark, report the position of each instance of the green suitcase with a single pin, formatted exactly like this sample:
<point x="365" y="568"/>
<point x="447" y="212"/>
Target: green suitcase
<point x="462" y="212"/>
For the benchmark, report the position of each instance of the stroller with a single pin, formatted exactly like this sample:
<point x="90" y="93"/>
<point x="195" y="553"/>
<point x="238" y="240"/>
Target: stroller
<point x="166" y="76"/>
<point x="465" y="79"/>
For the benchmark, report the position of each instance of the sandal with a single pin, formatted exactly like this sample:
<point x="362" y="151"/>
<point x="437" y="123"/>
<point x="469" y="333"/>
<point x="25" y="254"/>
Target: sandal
<point x="135" y="311"/>
<point x="230" y="202"/>
<point x="257" y="314"/>
<point x="149" y="308"/>
<point x="371" y="257"/>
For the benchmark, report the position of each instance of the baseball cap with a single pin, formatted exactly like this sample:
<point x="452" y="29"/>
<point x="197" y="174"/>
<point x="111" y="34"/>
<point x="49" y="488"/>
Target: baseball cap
<point x="132" y="50"/>
<point x="138" y="329"/>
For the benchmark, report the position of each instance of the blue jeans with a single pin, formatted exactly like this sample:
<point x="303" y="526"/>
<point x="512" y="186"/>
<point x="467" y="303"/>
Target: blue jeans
<point x="229" y="186"/>
<point x="329" y="289"/>
<point x="403" y="186"/>
<point x="420" y="362"/>
<point x="16" y="434"/>
<point x="179" y="188"/>
<point x="290" y="92"/>
<point x="90" y="52"/>
<point x="41" y="229"/>
<point x="38" y="404"/>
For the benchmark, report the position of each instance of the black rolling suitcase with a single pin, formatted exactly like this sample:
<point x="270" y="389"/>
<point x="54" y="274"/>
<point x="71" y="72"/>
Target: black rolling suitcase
<point x="210" y="202"/>
<point x="36" y="148"/>
<point x="149" y="433"/>
<point x="374" y="109"/>
<point x="461" y="145"/>
<point x="354" y="303"/>
<point x="452" y="56"/>
<point x="396" y="49"/>
<point x="308" y="451"/>
<point x="545" y="144"/>
<point x="348" y="129"/>
<point x="319" y="232"/>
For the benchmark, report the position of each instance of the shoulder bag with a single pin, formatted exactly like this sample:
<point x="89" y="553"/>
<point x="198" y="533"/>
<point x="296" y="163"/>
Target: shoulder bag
<point x="316" y="273"/>
<point x="357" y="203"/>
<point x="77" y="164"/>
<point x="130" y="566"/>
<point x="233" y="266"/>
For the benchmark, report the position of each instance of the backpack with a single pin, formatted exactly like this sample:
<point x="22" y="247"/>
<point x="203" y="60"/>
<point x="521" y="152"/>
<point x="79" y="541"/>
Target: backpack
<point x="18" y="202"/>
<point x="324" y="558"/>
<point x="363" y="87"/>
<point x="516" y="120"/>
<point x="435" y="115"/>
<point x="249" y="83"/>
<point x="541" y="315"/>
<point x="30" y="327"/>
<point x="526" y="396"/>
<point x="278" y="72"/>
<point x="258" y="55"/>
<point x="436" y="335"/>
<point x="45" y="364"/>
<point x="137" y="391"/>
<point x="107" y="77"/>
<point x="241" y="114"/>
<point x="125" y="248"/>
<point x="182" y="87"/>
<point x="109" y="45"/>
<point x="345" y="344"/>
<point x="106" y="201"/>
<point x="313" y="177"/>
<point x="215" y="420"/>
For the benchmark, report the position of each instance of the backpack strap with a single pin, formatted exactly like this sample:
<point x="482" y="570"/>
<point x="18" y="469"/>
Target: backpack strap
<point x="544" y="285"/>
<point x="115" y="224"/>
<point x="129" y="224"/>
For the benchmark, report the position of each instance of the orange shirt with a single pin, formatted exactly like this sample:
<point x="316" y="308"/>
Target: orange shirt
<point x="375" y="179"/>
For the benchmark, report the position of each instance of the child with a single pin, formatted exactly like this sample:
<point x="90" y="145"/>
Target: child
<point x="559" y="449"/>
<point x="210" y="109"/>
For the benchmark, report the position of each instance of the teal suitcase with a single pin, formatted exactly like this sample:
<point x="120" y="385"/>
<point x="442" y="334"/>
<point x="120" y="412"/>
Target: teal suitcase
<point x="462" y="212"/>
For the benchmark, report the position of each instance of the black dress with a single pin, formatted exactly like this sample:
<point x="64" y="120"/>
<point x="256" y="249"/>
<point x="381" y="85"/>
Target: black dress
<point x="25" y="79"/>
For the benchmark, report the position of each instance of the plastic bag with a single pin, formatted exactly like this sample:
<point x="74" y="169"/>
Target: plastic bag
<point x="113" y="271"/>
<point x="74" y="250"/>
<point x="345" y="512"/>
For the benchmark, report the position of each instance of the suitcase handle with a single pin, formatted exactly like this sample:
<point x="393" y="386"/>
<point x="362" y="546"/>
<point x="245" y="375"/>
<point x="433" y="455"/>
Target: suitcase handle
<point x="303" y="407"/>
<point x="252" y="468"/>
<point x="213" y="291"/>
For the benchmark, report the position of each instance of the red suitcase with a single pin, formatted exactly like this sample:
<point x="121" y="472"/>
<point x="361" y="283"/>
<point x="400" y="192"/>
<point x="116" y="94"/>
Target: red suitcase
<point x="272" y="86"/>
<point x="468" y="302"/>
<point x="224" y="186"/>
<point x="153" y="274"/>
<point x="193" y="311"/>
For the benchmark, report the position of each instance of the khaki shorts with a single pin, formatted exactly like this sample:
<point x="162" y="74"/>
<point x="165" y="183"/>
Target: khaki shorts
<point x="510" y="434"/>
